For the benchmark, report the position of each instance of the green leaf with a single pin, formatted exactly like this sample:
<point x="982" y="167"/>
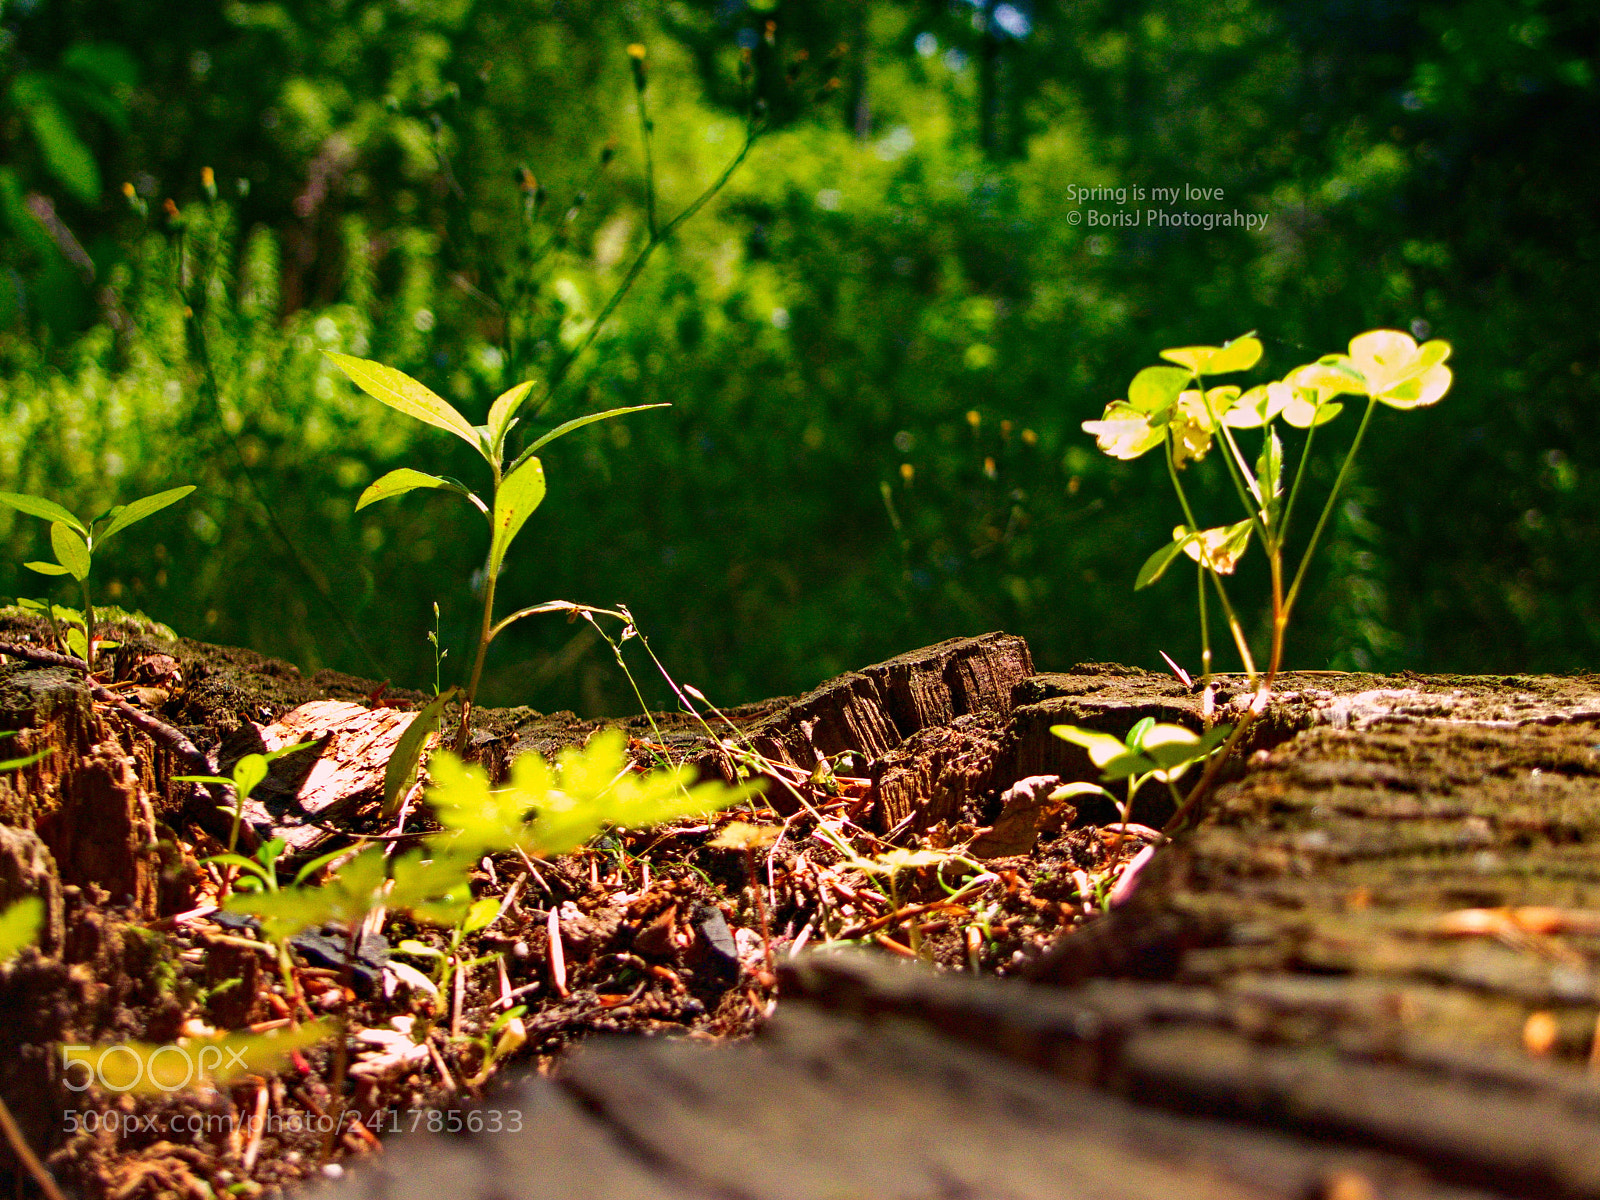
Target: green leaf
<point x="1068" y="790"/>
<point x="19" y="926"/>
<point x="580" y="422"/>
<point x="402" y="768"/>
<point x="399" y="391"/>
<point x="1102" y="747"/>
<point x="1156" y="565"/>
<point x="397" y="483"/>
<point x="1156" y="389"/>
<point x="503" y="414"/>
<point x="65" y="155"/>
<point x="46" y="568"/>
<point x="78" y="642"/>
<point x="71" y="551"/>
<point x="142" y="1069"/>
<point x="38" y="506"/>
<point x="13" y="763"/>
<point x="514" y="502"/>
<point x="1238" y="355"/>
<point x="481" y="915"/>
<point x="1269" y="468"/>
<point x="247" y="772"/>
<point x="140" y="509"/>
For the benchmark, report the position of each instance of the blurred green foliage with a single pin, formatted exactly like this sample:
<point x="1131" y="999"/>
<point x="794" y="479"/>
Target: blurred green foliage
<point x="879" y="340"/>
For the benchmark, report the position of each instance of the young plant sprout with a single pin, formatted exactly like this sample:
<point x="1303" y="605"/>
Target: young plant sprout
<point x="1173" y="407"/>
<point x="75" y="542"/>
<point x="516" y="487"/>
<point x="1150" y="751"/>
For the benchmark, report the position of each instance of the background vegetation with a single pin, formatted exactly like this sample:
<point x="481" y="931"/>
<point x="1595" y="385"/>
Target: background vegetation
<point x="879" y="340"/>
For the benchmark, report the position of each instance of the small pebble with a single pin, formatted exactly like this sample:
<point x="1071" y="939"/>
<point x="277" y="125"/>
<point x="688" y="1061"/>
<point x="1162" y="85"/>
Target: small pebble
<point x="332" y="1170"/>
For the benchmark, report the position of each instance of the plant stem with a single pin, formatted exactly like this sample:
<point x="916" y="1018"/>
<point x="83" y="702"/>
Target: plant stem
<point x="483" y="649"/>
<point x="1327" y="509"/>
<point x="24" y="1153"/>
<point x="88" y="627"/>
<point x="1233" y="621"/>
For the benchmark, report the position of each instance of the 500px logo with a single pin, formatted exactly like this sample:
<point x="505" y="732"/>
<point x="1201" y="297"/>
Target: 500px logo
<point x="124" y="1068"/>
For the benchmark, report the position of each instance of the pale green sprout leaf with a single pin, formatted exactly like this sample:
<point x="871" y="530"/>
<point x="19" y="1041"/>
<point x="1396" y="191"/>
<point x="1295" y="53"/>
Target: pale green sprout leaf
<point x="503" y="415"/>
<point x="399" y="482"/>
<point x="1102" y="747"/>
<point x="1135" y="739"/>
<point x="399" y="391"/>
<point x="1156" y="389"/>
<point x="1156" y="565"/>
<point x="78" y="643"/>
<point x="481" y="915"/>
<point x="38" y="506"/>
<point x="579" y="422"/>
<point x="11" y="764"/>
<point x="1398" y="372"/>
<point x="519" y="494"/>
<point x="1238" y="355"/>
<point x="127" y="514"/>
<point x="72" y="552"/>
<point x="247" y="772"/>
<point x="1068" y="790"/>
<point x="402" y="767"/>
<point x="19" y="926"/>
<point x="141" y="1069"/>
<point x="1269" y="470"/>
<point x="892" y="862"/>
<point x="47" y="568"/>
<point x="1259" y="406"/>
<point x="1124" y="432"/>
<point x="1222" y="547"/>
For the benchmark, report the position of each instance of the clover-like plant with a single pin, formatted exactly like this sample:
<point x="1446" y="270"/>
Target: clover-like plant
<point x="1171" y="406"/>
<point x="75" y="541"/>
<point x="1150" y="751"/>
<point x="517" y="486"/>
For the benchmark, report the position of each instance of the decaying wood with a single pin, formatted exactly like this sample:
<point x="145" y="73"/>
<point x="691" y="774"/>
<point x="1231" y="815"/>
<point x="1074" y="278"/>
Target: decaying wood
<point x="306" y="792"/>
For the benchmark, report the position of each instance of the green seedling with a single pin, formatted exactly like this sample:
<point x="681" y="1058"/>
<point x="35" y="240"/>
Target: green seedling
<point x="506" y="1035"/>
<point x="1150" y="751"/>
<point x="75" y="541"/>
<point x="248" y="772"/>
<point x="1171" y="406"/>
<point x="482" y="914"/>
<point x="517" y="486"/>
<point x="142" y="1069"/>
<point x="13" y="763"/>
<point x="545" y="811"/>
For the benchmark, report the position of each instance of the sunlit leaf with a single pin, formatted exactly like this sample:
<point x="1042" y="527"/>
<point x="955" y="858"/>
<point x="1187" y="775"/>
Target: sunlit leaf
<point x="520" y="493"/>
<point x="1221" y="547"/>
<point x="38" y="506"/>
<point x="399" y="391"/>
<point x="1238" y="355"/>
<point x="127" y="514"/>
<point x="19" y="926"/>
<point x="1102" y="747"/>
<point x="1269" y="468"/>
<point x="1258" y="406"/>
<point x="142" y="1069"/>
<point x="402" y="768"/>
<point x="1156" y="565"/>
<point x="1156" y="389"/>
<point x="399" y="482"/>
<point x="579" y="422"/>
<point x="46" y="568"/>
<point x="502" y="414"/>
<point x="481" y="915"/>
<point x="71" y="551"/>
<point x="1124" y="432"/>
